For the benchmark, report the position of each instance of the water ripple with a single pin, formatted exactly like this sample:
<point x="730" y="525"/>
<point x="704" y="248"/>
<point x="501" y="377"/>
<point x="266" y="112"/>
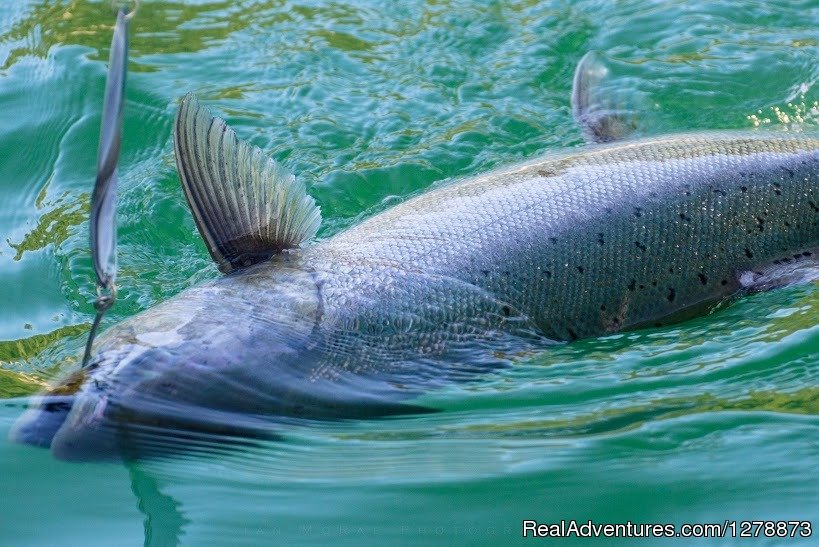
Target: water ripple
<point x="369" y="106"/>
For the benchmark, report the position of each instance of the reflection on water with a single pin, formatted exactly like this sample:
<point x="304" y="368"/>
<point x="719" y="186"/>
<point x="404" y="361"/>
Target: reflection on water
<point x="163" y="518"/>
<point x="164" y="27"/>
<point x="53" y="227"/>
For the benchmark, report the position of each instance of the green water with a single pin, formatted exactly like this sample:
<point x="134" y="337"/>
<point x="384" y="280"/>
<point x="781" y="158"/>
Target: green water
<point x="713" y="419"/>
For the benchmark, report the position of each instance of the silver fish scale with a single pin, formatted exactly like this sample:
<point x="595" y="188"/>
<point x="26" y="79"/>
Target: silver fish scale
<point x="574" y="245"/>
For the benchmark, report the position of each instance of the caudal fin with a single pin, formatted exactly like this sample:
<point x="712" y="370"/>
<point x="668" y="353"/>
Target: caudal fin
<point x="595" y="111"/>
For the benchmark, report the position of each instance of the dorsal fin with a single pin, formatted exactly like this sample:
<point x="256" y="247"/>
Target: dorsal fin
<point x="247" y="207"/>
<point x="599" y="118"/>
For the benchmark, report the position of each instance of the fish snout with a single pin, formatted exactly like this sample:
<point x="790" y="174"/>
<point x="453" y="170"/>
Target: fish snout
<point x="87" y="433"/>
<point x="74" y="427"/>
<point x="76" y="418"/>
<point x="40" y="422"/>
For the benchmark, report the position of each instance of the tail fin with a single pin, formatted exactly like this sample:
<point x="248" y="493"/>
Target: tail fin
<point x="598" y="117"/>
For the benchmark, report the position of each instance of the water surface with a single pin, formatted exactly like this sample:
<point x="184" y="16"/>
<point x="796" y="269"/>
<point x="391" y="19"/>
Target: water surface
<point x="713" y="419"/>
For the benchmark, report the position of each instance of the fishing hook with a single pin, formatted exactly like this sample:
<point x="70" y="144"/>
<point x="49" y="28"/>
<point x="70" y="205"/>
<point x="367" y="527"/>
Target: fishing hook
<point x="103" y="235"/>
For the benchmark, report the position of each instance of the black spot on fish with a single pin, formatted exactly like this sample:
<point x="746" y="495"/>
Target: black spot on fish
<point x="760" y="224"/>
<point x="788" y="171"/>
<point x="787" y="260"/>
<point x="719" y="192"/>
<point x="506" y="273"/>
<point x="553" y="240"/>
<point x="506" y="311"/>
<point x="787" y="224"/>
<point x="807" y="253"/>
<point x="600" y="239"/>
<point x="642" y="287"/>
<point x="658" y="324"/>
<point x="572" y="334"/>
<point x="723" y="282"/>
<point x="633" y="285"/>
<point x="814" y="207"/>
<point x="638" y="212"/>
<point x="672" y="294"/>
<point x="485" y="273"/>
<point x="703" y="278"/>
<point x="671" y="270"/>
<point x="654" y="283"/>
<point x="777" y="262"/>
<point x="581" y="269"/>
<point x="653" y="194"/>
<point x="603" y="307"/>
<point x="797" y="257"/>
<point x="685" y="217"/>
<point x="547" y="273"/>
<point x="748" y="253"/>
<point x="640" y="246"/>
<point x="743" y="188"/>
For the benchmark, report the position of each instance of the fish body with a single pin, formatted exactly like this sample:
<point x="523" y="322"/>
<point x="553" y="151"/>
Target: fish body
<point x="599" y="239"/>
<point x="451" y="282"/>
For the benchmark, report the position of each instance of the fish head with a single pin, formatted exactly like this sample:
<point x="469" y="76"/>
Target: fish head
<point x="209" y="360"/>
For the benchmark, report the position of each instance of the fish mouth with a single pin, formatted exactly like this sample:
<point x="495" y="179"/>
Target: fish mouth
<point x="42" y="420"/>
<point x="46" y="413"/>
<point x="91" y="417"/>
<point x="72" y="426"/>
<point x="92" y="427"/>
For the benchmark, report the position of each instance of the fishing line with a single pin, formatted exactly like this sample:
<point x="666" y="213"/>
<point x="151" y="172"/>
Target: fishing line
<point x="103" y="237"/>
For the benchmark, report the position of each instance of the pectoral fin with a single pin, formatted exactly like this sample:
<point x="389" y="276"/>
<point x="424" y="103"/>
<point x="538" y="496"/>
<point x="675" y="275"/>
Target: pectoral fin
<point x="247" y="207"/>
<point x="596" y="112"/>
